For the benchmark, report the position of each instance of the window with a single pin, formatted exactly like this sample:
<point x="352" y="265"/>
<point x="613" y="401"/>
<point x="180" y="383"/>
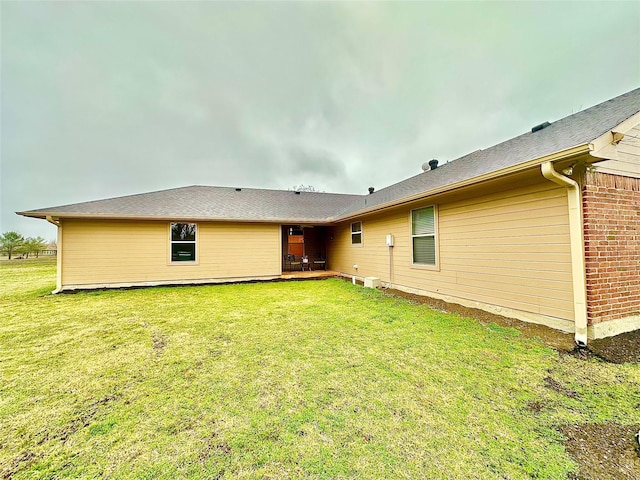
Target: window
<point x="183" y="242"/>
<point x="423" y="235"/>
<point x="356" y="233"/>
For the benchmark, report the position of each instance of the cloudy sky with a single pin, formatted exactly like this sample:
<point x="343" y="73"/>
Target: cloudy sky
<point x="102" y="99"/>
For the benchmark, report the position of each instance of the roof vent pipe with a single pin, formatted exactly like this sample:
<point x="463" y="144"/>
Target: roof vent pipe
<point x="537" y="128"/>
<point x="371" y="190"/>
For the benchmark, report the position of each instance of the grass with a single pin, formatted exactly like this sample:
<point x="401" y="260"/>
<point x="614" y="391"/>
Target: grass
<point x="314" y="379"/>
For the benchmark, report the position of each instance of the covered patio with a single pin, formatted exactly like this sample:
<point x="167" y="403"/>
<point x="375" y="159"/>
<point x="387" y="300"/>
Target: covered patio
<point x="304" y="248"/>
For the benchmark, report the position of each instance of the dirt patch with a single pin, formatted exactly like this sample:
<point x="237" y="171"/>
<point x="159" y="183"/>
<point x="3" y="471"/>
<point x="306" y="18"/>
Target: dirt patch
<point x="556" y="386"/>
<point x="622" y="348"/>
<point x="603" y="451"/>
<point x="535" y="406"/>
<point x="212" y="445"/>
<point x="159" y="342"/>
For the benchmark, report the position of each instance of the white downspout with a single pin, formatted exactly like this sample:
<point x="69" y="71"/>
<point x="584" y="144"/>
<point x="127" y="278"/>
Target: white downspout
<point x="578" y="270"/>
<point x="57" y="223"/>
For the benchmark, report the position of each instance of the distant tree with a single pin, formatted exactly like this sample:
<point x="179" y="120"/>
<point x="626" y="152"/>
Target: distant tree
<point x="11" y="242"/>
<point x="41" y="244"/>
<point x="304" y="188"/>
<point x="33" y="245"/>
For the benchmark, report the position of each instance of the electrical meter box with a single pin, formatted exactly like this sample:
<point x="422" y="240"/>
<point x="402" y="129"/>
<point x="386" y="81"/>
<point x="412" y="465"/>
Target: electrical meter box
<point x="389" y="240"/>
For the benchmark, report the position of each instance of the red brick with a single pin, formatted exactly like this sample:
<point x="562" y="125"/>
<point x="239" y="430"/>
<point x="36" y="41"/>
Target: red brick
<point x="612" y="246"/>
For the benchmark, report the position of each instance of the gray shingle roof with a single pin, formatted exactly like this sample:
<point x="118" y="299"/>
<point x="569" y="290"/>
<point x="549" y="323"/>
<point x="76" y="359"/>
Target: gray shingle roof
<point x="225" y="203"/>
<point x="220" y="203"/>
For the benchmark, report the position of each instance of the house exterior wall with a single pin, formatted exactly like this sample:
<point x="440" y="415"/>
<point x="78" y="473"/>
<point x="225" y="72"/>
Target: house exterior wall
<point x="110" y="253"/>
<point x="507" y="252"/>
<point x="611" y="206"/>
<point x="628" y="152"/>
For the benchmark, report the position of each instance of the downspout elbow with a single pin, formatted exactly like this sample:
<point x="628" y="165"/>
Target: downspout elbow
<point x="550" y="173"/>
<point x="578" y="269"/>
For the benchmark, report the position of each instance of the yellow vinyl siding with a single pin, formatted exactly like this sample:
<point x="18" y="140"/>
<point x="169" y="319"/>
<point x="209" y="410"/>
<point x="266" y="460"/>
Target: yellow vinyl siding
<point x="628" y="161"/>
<point x="509" y="249"/>
<point x="116" y="252"/>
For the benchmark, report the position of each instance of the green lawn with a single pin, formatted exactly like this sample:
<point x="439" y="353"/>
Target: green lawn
<point x="313" y="379"/>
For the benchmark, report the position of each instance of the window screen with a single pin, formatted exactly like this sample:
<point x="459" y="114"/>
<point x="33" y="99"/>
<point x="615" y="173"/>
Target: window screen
<point x="423" y="236"/>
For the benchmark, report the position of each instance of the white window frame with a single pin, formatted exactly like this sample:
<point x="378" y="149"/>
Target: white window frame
<point x="357" y="244"/>
<point x="172" y="242"/>
<point x="434" y="235"/>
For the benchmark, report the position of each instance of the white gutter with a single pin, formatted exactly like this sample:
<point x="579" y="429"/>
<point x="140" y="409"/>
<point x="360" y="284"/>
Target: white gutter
<point x="553" y="157"/>
<point x="578" y="271"/>
<point x="56" y="216"/>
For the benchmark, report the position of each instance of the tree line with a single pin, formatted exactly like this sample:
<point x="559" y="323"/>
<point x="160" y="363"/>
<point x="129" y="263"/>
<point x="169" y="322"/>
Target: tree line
<point x="12" y="243"/>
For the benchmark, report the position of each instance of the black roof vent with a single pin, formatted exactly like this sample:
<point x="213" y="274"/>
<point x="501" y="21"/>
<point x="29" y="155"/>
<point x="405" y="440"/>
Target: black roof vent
<point x="371" y="190"/>
<point x="537" y="128"/>
<point x="430" y="165"/>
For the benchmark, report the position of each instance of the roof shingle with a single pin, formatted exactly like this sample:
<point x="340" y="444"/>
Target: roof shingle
<point x="219" y="203"/>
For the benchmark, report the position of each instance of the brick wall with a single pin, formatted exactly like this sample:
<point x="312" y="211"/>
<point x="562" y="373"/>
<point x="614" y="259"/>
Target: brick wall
<point x="612" y="246"/>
